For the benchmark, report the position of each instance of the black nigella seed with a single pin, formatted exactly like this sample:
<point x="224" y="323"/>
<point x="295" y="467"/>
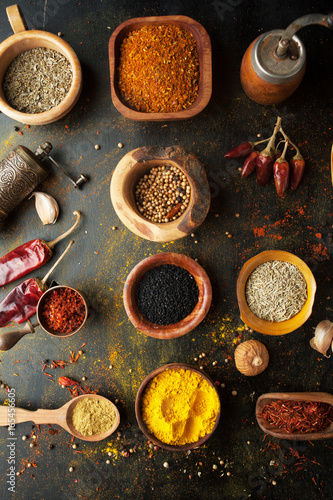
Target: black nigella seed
<point x="167" y="294"/>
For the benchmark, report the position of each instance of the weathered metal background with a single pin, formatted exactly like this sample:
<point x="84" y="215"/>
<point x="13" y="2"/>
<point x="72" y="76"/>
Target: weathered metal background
<point x="253" y="466"/>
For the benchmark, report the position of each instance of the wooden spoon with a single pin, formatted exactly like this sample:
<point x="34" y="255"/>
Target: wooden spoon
<point x="61" y="416"/>
<point x="323" y="397"/>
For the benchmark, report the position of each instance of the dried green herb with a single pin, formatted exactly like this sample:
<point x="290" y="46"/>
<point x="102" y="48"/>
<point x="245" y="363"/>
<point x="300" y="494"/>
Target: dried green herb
<point x="37" y="80"/>
<point x="276" y="291"/>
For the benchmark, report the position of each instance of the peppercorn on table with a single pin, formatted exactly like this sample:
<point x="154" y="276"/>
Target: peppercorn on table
<point x="108" y="355"/>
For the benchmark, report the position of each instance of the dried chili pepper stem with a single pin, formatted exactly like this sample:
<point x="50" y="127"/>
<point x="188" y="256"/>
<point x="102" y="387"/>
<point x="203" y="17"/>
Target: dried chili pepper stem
<point x="21" y="303"/>
<point x="47" y="275"/>
<point x="266" y="158"/>
<point x="29" y="256"/>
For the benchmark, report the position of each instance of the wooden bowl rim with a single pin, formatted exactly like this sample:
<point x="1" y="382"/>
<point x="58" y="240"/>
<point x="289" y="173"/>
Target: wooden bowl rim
<point x="205" y="79"/>
<point x="187" y="324"/>
<point x="172" y="230"/>
<point x="268" y="327"/>
<point x="150" y="376"/>
<point x="297" y="396"/>
<point x="71" y="97"/>
<point x="40" y="306"/>
<point x="95" y="437"/>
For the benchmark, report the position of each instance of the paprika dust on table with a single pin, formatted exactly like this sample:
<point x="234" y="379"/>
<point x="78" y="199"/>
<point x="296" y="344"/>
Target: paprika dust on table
<point x="159" y="69"/>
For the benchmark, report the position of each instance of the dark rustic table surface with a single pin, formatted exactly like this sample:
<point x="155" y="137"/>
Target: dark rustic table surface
<point x="239" y="461"/>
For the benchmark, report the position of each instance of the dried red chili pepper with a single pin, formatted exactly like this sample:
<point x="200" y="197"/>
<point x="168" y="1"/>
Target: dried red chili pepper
<point x="281" y="173"/>
<point x="297" y="165"/>
<point x="29" y="256"/>
<point x="67" y="382"/>
<point x="21" y="303"/>
<point x="250" y="164"/>
<point x="239" y="151"/>
<point x="266" y="158"/>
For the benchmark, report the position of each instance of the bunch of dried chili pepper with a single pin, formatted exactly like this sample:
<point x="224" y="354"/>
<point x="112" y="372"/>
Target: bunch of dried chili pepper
<point x="271" y="161"/>
<point x="21" y="302"/>
<point x="29" y="256"/>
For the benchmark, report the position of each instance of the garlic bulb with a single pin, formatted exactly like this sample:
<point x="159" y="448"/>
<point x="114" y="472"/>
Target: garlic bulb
<point x="251" y="357"/>
<point x="323" y="338"/>
<point x="46" y="206"/>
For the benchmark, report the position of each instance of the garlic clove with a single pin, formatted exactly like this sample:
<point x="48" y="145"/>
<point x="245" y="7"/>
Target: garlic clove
<point x="323" y="338"/>
<point x="47" y="207"/>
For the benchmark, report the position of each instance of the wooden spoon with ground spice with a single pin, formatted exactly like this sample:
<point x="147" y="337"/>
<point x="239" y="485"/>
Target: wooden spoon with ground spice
<point x="62" y="416"/>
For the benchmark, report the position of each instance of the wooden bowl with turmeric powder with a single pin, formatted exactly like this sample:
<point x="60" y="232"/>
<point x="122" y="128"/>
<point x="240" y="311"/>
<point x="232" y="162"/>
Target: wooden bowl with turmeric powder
<point x="275" y="292"/>
<point x="177" y="407"/>
<point x="160" y="68"/>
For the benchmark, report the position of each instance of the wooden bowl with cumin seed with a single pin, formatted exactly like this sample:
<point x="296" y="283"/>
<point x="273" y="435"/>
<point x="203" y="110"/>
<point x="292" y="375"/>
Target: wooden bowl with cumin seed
<point x="24" y="40"/>
<point x="205" y="66"/>
<point x="275" y="327"/>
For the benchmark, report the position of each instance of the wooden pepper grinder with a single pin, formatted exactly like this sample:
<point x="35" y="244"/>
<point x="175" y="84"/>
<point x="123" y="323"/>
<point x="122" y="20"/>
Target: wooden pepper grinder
<point x="274" y="64"/>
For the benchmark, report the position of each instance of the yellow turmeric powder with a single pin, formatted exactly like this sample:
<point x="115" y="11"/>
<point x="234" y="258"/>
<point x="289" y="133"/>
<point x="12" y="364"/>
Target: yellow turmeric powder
<point x="179" y="406"/>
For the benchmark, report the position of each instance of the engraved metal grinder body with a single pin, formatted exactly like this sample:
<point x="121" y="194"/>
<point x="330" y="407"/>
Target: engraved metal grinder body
<point x="274" y="64"/>
<point x="20" y="172"/>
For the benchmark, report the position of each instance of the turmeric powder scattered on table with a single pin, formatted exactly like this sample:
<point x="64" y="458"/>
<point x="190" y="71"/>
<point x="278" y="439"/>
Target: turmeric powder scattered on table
<point x="179" y="407"/>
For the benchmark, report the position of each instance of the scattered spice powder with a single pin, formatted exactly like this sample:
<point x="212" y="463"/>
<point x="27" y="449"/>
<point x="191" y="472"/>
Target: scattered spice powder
<point x="276" y="291"/>
<point x="93" y="416"/>
<point x="179" y="406"/>
<point x="63" y="310"/>
<point x="163" y="194"/>
<point x="159" y="69"/>
<point x="298" y="416"/>
<point x="37" y="80"/>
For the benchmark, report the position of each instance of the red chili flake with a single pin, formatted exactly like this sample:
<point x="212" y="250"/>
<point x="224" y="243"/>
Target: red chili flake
<point x="298" y="416"/>
<point x="64" y="310"/>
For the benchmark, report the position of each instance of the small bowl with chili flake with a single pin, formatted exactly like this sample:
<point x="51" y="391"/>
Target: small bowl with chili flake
<point x="298" y="416"/>
<point x="62" y="311"/>
<point x="167" y="295"/>
<point x="160" y="194"/>
<point x="160" y="68"/>
<point x="177" y="407"/>
<point x="40" y="74"/>
<point x="275" y="292"/>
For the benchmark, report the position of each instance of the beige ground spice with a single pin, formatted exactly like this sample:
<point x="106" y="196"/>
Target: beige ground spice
<point x="93" y="416"/>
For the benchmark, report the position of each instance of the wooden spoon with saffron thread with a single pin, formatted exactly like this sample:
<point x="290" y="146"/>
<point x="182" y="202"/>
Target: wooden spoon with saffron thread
<point x="62" y="416"/>
<point x="322" y="397"/>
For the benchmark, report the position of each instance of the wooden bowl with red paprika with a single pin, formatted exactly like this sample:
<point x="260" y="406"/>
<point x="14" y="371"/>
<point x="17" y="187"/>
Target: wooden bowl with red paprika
<point x="162" y="91"/>
<point x="62" y="311"/>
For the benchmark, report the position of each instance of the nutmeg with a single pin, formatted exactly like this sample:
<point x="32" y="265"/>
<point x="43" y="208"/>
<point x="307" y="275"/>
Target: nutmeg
<point x="251" y="357"/>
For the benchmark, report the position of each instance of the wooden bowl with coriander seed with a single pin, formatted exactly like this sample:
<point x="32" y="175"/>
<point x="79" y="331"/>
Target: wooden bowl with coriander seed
<point x="19" y="55"/>
<point x="178" y="407"/>
<point x="148" y="96"/>
<point x="178" y="205"/>
<point x="275" y="292"/>
<point x="167" y="295"/>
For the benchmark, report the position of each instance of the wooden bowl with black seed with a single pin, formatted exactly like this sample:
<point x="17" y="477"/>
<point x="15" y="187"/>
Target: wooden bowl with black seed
<point x="205" y="66"/>
<point x="274" y="327"/>
<point x="139" y="162"/>
<point x="187" y="324"/>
